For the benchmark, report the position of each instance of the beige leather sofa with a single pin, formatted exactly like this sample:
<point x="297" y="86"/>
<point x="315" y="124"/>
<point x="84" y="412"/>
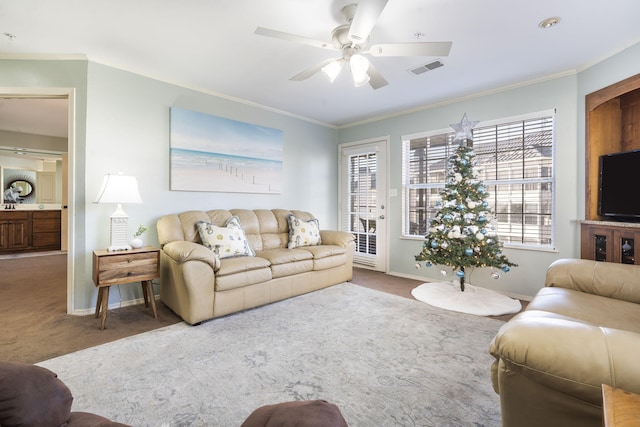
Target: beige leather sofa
<point x="580" y="331"/>
<point x="198" y="285"/>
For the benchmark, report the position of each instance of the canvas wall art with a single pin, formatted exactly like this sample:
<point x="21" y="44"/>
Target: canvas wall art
<point x="210" y="153"/>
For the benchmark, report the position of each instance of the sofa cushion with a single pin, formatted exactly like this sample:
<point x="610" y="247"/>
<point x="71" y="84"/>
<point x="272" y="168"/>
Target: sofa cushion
<point x="324" y="251"/>
<point x="284" y="256"/>
<point x="238" y="272"/>
<point x="303" y="233"/>
<point x="327" y="256"/>
<point x="227" y="241"/>
<point x="32" y="396"/>
<point x="287" y="262"/>
<point x="236" y="265"/>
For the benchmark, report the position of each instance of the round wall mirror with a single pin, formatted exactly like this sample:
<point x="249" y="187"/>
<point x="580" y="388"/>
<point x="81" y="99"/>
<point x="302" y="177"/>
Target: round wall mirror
<point x="25" y="187"/>
<point x="18" y="190"/>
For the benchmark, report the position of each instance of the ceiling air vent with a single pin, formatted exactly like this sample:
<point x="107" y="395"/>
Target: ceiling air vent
<point x="427" y="67"/>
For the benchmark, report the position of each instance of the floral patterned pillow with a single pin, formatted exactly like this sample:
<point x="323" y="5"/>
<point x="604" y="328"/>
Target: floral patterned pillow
<point x="303" y="233"/>
<point x="227" y="241"/>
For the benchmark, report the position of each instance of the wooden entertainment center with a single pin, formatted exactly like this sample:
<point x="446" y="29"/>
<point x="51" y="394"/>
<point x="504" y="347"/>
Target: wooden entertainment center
<point x="612" y="126"/>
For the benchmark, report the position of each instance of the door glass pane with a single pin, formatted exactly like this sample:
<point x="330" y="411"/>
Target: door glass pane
<point x="362" y="203"/>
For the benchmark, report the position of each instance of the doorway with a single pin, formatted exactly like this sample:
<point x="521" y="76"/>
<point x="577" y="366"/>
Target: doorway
<point x="68" y="95"/>
<point x="363" y="200"/>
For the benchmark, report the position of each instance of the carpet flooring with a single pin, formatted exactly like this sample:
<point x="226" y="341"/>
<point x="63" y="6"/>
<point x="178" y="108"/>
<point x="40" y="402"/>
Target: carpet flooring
<point x="384" y="360"/>
<point x="35" y="326"/>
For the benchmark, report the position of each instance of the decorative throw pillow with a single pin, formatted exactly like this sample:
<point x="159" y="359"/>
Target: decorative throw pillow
<point x="303" y="233"/>
<point x="32" y="396"/>
<point x="227" y="241"/>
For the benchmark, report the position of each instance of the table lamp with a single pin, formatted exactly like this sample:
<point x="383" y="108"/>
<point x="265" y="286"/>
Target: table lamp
<point x="119" y="189"/>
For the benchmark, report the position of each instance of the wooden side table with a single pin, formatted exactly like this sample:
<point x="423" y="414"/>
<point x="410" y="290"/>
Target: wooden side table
<point x="621" y="408"/>
<point x="116" y="268"/>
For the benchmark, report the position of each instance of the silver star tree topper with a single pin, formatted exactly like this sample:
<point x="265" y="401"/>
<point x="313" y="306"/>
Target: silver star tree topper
<point x="463" y="129"/>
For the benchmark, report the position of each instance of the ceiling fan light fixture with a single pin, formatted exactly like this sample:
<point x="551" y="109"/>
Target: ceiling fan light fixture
<point x="359" y="64"/>
<point x="360" y="79"/>
<point x="331" y="70"/>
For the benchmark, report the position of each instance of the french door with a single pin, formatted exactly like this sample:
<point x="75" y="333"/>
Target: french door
<point x="363" y="200"/>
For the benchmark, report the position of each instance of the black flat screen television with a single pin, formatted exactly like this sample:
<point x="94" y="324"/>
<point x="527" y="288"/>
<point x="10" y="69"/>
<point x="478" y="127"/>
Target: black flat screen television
<point x="619" y="186"/>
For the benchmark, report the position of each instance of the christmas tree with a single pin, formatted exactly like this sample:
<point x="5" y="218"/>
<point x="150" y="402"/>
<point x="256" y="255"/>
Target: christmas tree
<point x="463" y="234"/>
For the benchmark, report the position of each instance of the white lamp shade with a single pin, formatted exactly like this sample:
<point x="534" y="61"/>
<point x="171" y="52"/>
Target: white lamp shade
<point x="359" y="67"/>
<point x="332" y="69"/>
<point x="359" y="64"/>
<point x="119" y="189"/>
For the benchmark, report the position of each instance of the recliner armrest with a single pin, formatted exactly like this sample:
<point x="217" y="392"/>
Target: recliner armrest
<point x="567" y="355"/>
<point x="183" y="251"/>
<point x="336" y="237"/>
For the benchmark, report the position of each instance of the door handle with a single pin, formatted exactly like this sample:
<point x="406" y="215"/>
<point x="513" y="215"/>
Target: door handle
<point x="381" y="217"/>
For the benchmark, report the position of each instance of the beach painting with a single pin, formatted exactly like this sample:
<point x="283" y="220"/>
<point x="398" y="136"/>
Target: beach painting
<point x="210" y="153"/>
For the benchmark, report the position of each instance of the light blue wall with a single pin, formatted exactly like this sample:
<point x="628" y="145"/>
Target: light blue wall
<point x="558" y="94"/>
<point x="128" y="130"/>
<point x="62" y="74"/>
<point x="122" y="124"/>
<point x="565" y="94"/>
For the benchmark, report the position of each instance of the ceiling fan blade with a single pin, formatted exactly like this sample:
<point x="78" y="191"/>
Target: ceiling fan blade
<point x="412" y="49"/>
<point x="367" y="14"/>
<point x="376" y="80"/>
<point x="303" y="75"/>
<point x="293" y="38"/>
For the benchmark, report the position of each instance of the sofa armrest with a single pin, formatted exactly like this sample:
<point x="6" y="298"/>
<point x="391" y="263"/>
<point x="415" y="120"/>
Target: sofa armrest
<point x="183" y="251"/>
<point x="607" y="279"/>
<point x="565" y="355"/>
<point x="335" y="237"/>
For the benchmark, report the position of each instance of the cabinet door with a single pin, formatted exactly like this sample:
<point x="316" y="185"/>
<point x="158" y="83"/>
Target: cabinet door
<point x="624" y="246"/>
<point x="4" y="231"/>
<point x="597" y="243"/>
<point x="18" y="234"/>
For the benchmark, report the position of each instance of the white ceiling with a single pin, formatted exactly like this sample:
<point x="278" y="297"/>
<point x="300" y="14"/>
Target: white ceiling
<point x="210" y="45"/>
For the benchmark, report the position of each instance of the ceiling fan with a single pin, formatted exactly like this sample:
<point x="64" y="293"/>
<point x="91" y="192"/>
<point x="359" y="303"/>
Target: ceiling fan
<point x="352" y="41"/>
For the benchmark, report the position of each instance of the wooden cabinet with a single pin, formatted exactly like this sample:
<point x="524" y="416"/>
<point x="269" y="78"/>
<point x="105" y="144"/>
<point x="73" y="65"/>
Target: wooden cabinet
<point x="610" y="242"/>
<point x="15" y="231"/>
<point x="29" y="231"/>
<point x="612" y="118"/>
<point x="46" y="230"/>
<point x="116" y="268"/>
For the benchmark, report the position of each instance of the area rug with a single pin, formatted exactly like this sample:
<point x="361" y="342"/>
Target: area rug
<point x="384" y="360"/>
<point x="474" y="300"/>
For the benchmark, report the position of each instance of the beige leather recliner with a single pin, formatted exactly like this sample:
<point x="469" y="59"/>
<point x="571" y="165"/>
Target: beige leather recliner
<point x="580" y="331"/>
<point x="197" y="285"/>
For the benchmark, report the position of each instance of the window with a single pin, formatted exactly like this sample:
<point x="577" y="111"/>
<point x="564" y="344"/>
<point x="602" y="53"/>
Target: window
<point x="514" y="159"/>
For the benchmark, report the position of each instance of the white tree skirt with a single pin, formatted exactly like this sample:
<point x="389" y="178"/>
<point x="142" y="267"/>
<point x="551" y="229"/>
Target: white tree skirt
<point x="474" y="300"/>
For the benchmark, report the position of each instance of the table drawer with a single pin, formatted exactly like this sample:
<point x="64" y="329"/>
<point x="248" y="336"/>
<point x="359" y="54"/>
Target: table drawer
<point x="125" y="268"/>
